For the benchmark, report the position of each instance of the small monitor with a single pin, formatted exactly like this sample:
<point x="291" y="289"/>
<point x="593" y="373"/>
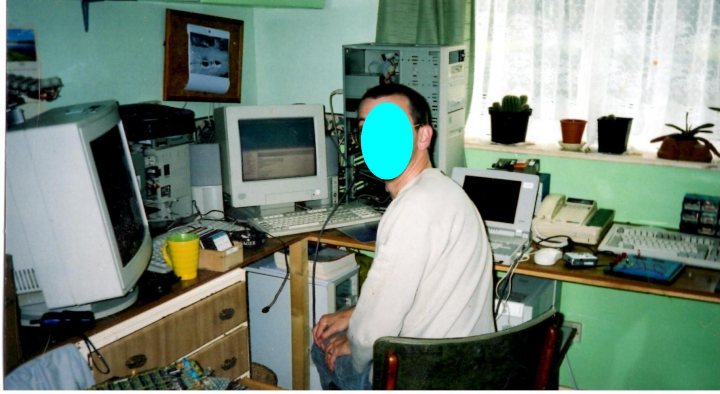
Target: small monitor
<point x="506" y="200"/>
<point x="272" y="156"/>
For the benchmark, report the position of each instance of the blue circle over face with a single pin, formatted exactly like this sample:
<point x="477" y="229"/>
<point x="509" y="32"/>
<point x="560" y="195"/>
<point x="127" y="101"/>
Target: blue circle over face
<point x="387" y="140"/>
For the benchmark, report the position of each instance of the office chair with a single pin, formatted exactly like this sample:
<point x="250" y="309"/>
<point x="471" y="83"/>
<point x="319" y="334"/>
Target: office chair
<point x="524" y="357"/>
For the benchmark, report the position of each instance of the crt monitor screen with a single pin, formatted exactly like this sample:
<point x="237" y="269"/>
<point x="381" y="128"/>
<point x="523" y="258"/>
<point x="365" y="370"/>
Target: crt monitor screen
<point x="287" y="152"/>
<point x="116" y="180"/>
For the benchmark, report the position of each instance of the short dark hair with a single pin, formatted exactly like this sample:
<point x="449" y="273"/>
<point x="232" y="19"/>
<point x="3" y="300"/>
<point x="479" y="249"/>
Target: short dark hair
<point x="419" y="107"/>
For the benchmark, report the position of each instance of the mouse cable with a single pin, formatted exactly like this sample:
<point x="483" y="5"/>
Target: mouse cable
<point x="92" y="350"/>
<point x="315" y="257"/>
<point x="285" y="252"/>
<point x="502" y="300"/>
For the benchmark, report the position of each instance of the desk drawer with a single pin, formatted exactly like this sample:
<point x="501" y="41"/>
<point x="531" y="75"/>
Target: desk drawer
<point x="176" y="335"/>
<point x="229" y="357"/>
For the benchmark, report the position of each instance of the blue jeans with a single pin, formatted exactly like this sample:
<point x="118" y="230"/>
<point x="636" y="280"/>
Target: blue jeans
<point x="345" y="377"/>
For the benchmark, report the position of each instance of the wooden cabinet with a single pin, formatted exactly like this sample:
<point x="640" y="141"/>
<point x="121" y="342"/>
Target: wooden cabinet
<point x="212" y="330"/>
<point x="228" y="356"/>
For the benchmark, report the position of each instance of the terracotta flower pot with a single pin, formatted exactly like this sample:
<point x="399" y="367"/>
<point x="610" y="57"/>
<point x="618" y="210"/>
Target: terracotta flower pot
<point x="673" y="148"/>
<point x="572" y="130"/>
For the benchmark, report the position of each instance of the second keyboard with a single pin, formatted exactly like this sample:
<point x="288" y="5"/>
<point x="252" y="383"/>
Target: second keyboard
<point x="313" y="219"/>
<point x="690" y="249"/>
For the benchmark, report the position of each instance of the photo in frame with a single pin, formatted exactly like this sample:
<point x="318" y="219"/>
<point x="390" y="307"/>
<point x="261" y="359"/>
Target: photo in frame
<point x="203" y="57"/>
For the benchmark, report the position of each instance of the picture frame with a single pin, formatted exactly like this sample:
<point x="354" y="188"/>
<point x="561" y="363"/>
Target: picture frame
<point x="203" y="57"/>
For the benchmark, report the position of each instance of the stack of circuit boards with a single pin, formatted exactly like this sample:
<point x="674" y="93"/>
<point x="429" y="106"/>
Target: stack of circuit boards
<point x="181" y="375"/>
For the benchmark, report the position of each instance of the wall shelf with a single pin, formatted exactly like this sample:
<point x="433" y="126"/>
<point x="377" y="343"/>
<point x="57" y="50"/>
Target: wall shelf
<point x="648" y="158"/>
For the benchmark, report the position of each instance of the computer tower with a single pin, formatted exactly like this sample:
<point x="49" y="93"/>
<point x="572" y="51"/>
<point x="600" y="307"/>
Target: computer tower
<point x="167" y="190"/>
<point x="529" y="297"/>
<point x="437" y="72"/>
<point x="270" y="333"/>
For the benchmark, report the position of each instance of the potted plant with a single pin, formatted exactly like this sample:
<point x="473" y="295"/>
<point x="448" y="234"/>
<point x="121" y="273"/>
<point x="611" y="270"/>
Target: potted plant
<point x="509" y="120"/>
<point x="613" y="134"/>
<point x="686" y="145"/>
<point x="572" y="130"/>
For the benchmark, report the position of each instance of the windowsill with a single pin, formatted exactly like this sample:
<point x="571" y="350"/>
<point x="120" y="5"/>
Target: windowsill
<point x="648" y="158"/>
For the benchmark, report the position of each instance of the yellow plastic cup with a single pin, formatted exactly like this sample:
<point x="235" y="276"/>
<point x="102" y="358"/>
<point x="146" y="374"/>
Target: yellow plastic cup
<point x="181" y="252"/>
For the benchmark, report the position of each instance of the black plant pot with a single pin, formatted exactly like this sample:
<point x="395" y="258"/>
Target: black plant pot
<point x="613" y="135"/>
<point x="508" y="127"/>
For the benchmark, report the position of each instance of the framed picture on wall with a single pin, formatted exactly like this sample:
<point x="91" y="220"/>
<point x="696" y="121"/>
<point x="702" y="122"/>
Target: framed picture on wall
<point x="203" y="57"/>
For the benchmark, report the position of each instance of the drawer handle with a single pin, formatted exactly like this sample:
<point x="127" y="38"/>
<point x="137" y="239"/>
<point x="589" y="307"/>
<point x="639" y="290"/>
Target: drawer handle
<point x="229" y="363"/>
<point x="227" y="314"/>
<point x="136" y="361"/>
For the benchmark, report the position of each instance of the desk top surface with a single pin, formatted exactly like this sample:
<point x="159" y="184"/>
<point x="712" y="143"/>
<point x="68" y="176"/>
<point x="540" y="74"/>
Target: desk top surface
<point x="692" y="283"/>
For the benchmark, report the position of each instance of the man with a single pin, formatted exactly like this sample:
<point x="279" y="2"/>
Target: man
<point x="432" y="272"/>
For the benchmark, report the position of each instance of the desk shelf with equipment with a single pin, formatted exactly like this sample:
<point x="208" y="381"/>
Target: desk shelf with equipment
<point x="183" y="322"/>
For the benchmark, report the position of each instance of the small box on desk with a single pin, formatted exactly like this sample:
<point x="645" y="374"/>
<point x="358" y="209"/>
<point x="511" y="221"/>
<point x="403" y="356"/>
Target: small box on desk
<point x="700" y="215"/>
<point x="221" y="261"/>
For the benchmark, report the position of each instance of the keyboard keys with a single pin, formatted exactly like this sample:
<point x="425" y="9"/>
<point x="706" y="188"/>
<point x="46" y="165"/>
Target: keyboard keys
<point x="314" y="219"/>
<point x="690" y="249"/>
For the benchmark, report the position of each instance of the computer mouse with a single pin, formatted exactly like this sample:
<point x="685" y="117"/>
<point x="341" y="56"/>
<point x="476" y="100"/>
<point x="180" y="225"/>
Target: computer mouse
<point x="547" y="256"/>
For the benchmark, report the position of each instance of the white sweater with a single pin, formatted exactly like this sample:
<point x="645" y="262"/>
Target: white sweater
<point x="432" y="272"/>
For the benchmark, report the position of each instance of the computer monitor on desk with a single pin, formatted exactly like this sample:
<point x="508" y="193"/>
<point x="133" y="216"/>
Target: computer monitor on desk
<point x="273" y="156"/>
<point x="76" y="228"/>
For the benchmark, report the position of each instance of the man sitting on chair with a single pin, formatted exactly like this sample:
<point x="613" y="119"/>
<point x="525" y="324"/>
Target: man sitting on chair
<point x="432" y="272"/>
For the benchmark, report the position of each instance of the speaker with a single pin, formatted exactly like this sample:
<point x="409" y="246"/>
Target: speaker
<point x="205" y="165"/>
<point x="206" y="179"/>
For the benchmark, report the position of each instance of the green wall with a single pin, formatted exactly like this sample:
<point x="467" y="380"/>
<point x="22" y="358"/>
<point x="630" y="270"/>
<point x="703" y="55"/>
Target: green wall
<point x="630" y="340"/>
<point x="290" y="55"/>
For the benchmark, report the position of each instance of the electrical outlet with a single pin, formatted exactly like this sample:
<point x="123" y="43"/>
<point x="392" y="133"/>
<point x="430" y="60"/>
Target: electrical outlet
<point x="578" y="329"/>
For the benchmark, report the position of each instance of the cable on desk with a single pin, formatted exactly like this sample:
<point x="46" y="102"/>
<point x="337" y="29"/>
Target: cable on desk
<point x="317" y="250"/>
<point x="286" y="251"/>
<point x="93" y="350"/>
<point x="551" y="243"/>
<point x="508" y="276"/>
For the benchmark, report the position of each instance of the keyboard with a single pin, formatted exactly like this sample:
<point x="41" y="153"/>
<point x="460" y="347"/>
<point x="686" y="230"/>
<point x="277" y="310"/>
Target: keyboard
<point x="695" y="250"/>
<point x="313" y="219"/>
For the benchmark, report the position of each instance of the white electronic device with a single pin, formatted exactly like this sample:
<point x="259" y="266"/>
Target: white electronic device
<point x="547" y="256"/>
<point x="577" y="219"/>
<point x="559" y="209"/>
<point x="75" y="226"/>
<point x="270" y="314"/>
<point x="506" y="201"/>
<point x="272" y="156"/>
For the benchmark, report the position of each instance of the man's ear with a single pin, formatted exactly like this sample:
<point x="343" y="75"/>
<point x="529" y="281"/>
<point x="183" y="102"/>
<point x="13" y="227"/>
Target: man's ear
<point x="425" y="133"/>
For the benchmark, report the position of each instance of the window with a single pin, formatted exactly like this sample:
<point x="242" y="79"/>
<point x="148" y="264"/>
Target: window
<point x="651" y="60"/>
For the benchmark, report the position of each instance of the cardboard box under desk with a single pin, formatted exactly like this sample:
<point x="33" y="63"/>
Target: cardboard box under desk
<point x="221" y="261"/>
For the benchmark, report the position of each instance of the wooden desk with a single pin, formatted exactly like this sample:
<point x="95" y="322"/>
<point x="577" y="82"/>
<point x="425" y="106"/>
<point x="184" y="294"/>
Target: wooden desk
<point x="694" y="284"/>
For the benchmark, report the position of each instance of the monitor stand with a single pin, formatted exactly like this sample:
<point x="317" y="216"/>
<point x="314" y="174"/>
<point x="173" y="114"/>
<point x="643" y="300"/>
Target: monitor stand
<point x="30" y="314"/>
<point x="260" y="211"/>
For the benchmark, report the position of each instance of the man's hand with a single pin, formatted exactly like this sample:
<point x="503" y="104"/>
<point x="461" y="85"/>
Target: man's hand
<point x="337" y="346"/>
<point x="331" y="324"/>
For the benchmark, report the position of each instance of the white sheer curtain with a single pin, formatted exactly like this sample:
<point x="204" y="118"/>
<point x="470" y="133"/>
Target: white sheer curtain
<point x="651" y="60"/>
